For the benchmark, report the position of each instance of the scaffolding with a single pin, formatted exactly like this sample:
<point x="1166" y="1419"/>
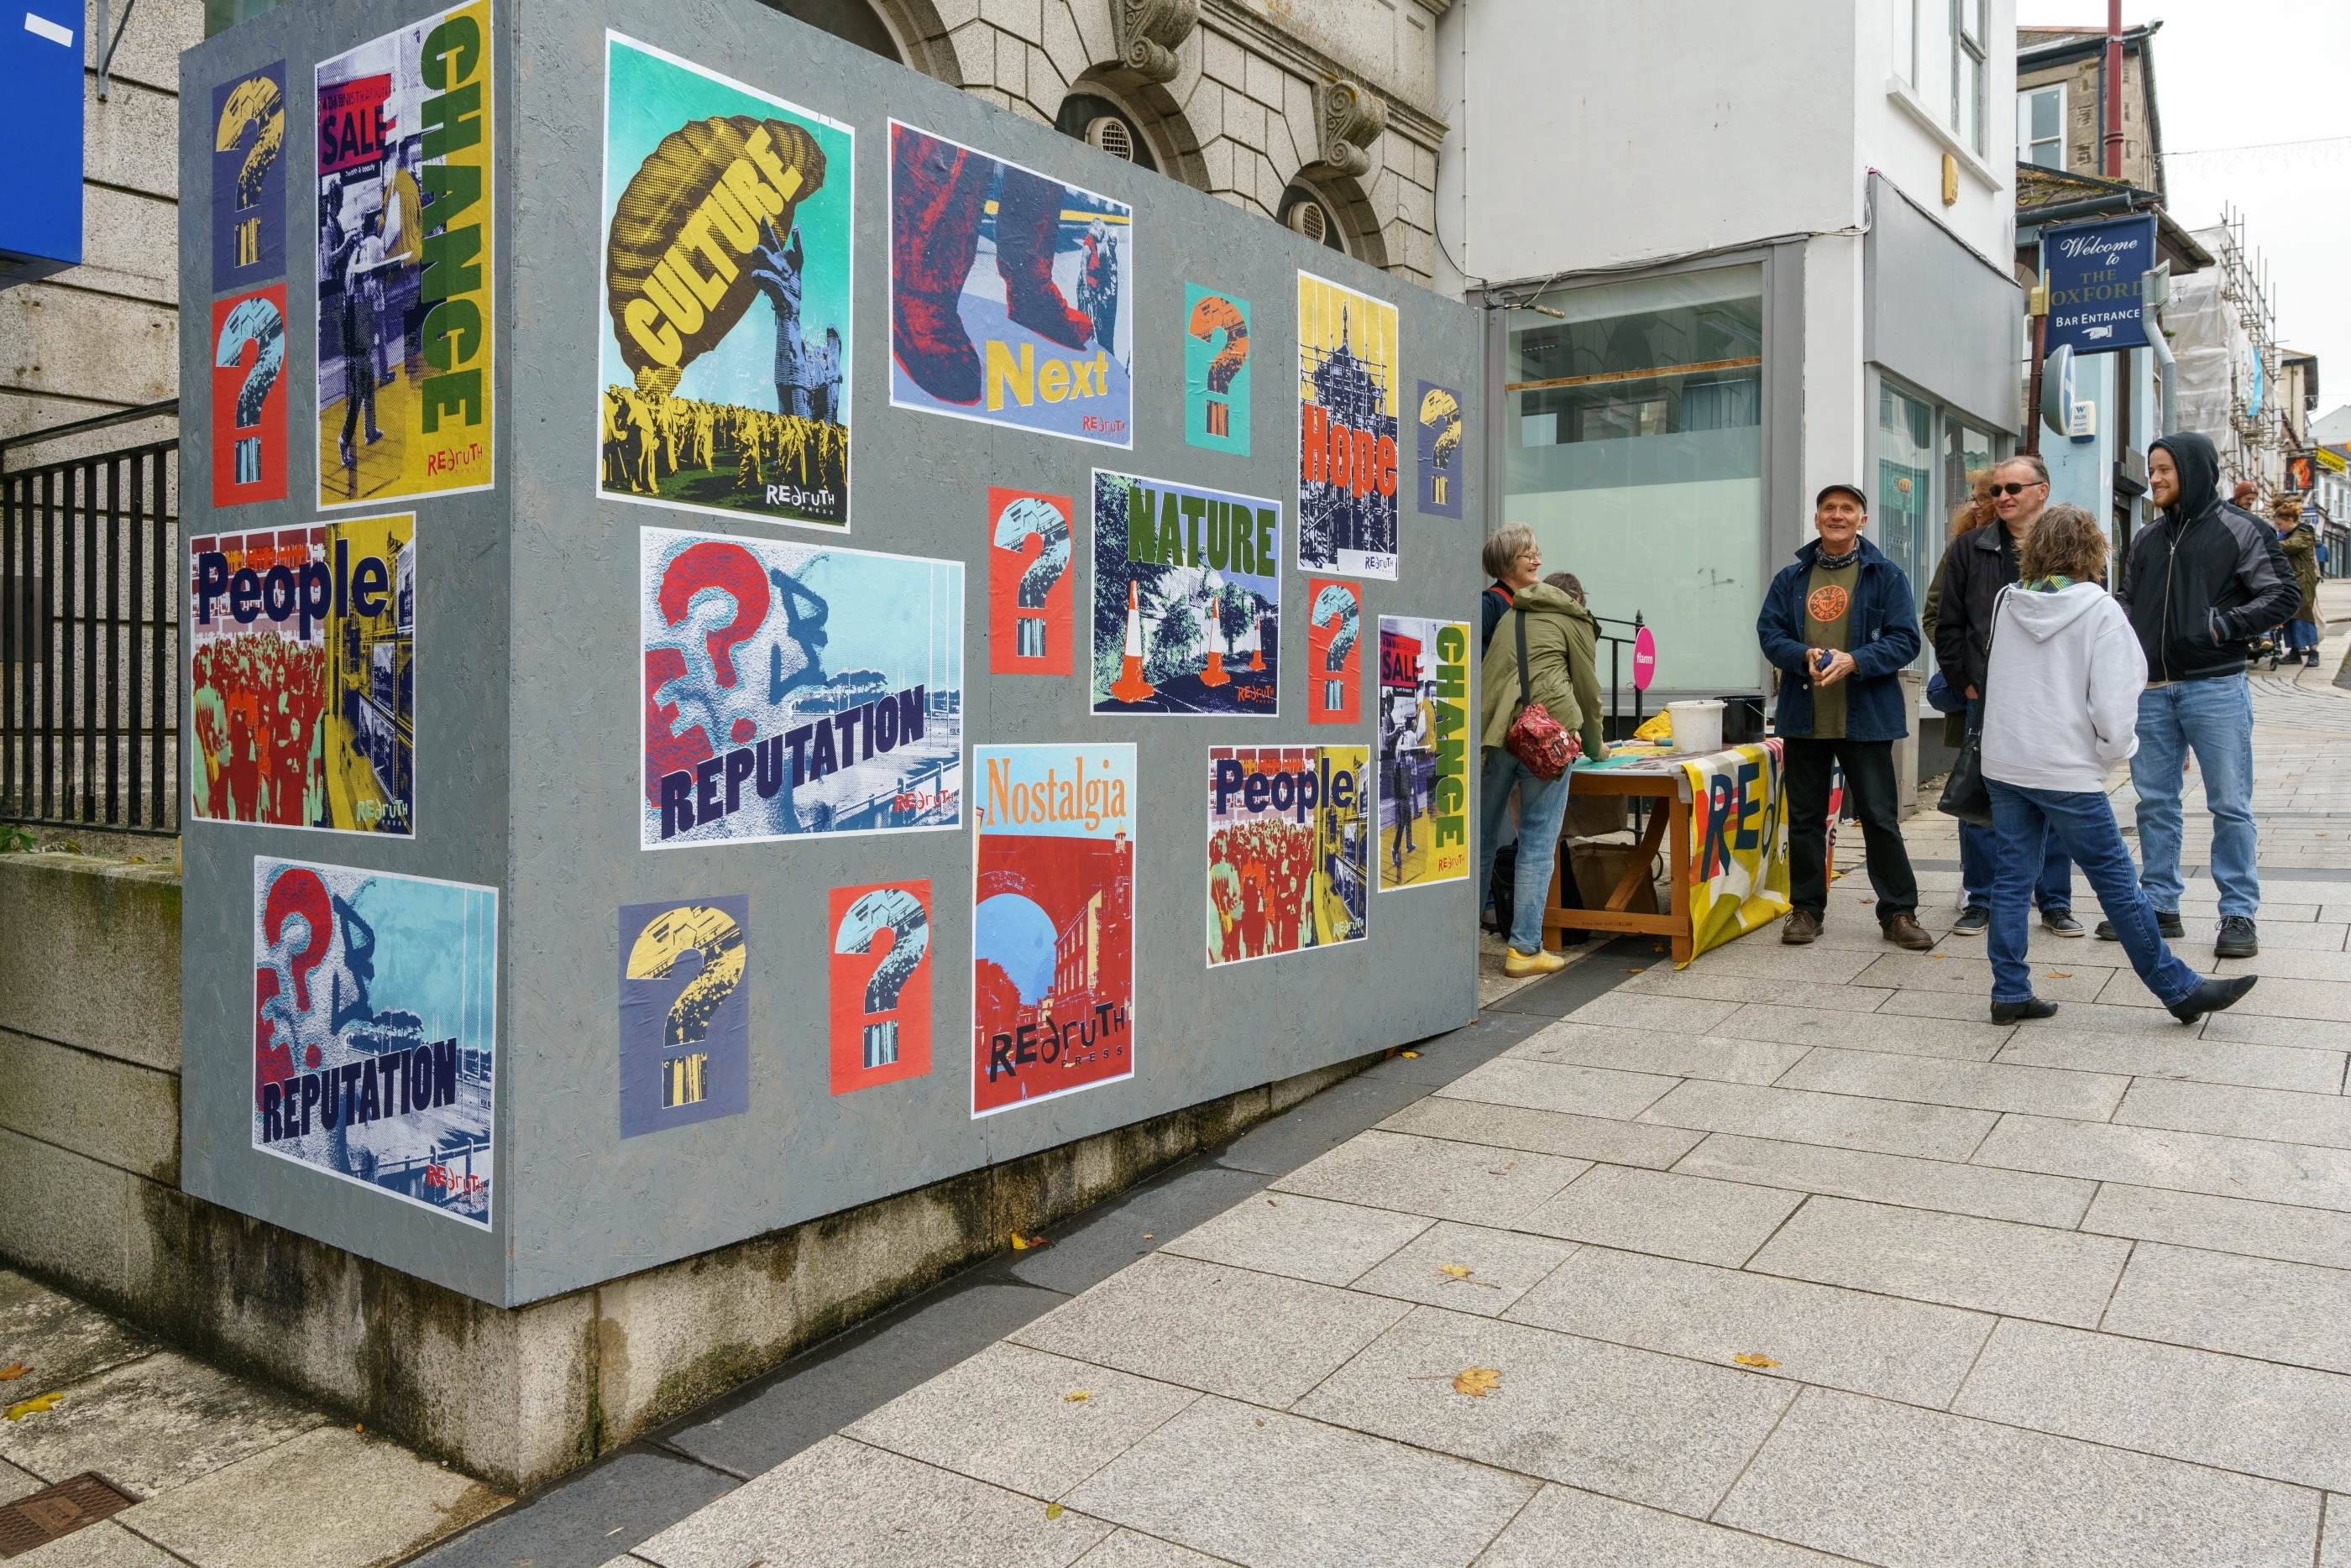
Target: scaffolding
<point x="2223" y="326"/>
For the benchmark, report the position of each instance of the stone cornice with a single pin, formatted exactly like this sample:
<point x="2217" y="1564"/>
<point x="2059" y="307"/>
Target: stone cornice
<point x="1256" y="34"/>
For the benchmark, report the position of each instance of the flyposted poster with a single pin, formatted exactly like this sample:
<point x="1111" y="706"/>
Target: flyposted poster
<point x="1187" y="599"/>
<point x="248" y="450"/>
<point x="880" y="979"/>
<point x="249" y="179"/>
<point x="1216" y="371"/>
<point x="1424" y="782"/>
<point x="1347" y="380"/>
<point x="686" y="1011"/>
<point x="1289" y="849"/>
<point x="1438" y="431"/>
<point x="1739" y="843"/>
<point x="1334" y="617"/>
<point x="1029" y="620"/>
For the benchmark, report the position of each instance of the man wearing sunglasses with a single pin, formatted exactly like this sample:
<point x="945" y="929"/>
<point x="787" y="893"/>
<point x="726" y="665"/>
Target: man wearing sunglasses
<point x="1979" y="564"/>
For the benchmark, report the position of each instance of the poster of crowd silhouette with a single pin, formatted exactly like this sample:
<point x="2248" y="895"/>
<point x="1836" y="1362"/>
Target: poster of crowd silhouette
<point x="1052" y="925"/>
<point x="727" y="335"/>
<point x="1030" y="629"/>
<point x="1334" y="643"/>
<point x="249" y="179"/>
<point x="793" y="688"/>
<point x="1011" y="294"/>
<point x="1216" y="371"/>
<point x="1187" y="599"/>
<point x="1290" y="831"/>
<point x="880" y="984"/>
<point x="1347" y="375"/>
<point x="407" y="329"/>
<point x="1425" y="751"/>
<point x="685" y="1012"/>
<point x="375" y="1030"/>
<point x="302" y="663"/>
<point x="248" y="450"/>
<point x="1441" y="463"/>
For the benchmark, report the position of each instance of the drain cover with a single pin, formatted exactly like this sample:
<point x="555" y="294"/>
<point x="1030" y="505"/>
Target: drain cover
<point x="59" y="1510"/>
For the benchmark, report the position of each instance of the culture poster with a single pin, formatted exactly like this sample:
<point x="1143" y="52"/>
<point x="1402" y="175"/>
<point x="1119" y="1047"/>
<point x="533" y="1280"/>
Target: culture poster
<point x="375" y="1030"/>
<point x="1347" y="376"/>
<point x="793" y="688"/>
<point x="1187" y="599"/>
<point x="407" y="264"/>
<point x="1334" y="618"/>
<point x="1739" y="843"/>
<point x="1052" y="924"/>
<point x="1425" y="752"/>
<point x="1216" y="371"/>
<point x="880" y="984"/>
<point x="1441" y="463"/>
<point x="685" y="1012"/>
<point x="727" y="321"/>
<point x="1290" y="831"/>
<point x="249" y="179"/>
<point x="1029" y="627"/>
<point x="1011" y="294"/>
<point x="302" y="660"/>
<point x="248" y="450"/>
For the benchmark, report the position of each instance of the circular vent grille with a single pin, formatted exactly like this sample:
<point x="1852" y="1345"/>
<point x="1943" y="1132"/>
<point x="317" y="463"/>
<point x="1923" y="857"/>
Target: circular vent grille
<point x="1109" y="134"/>
<point x="1309" y="219"/>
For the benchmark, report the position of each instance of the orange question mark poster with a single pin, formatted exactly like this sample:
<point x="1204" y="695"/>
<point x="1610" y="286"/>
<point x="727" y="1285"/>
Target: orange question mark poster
<point x="1216" y="371"/>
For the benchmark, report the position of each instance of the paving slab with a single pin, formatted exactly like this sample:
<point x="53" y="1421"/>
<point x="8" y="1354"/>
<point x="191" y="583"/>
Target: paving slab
<point x="2151" y="1023"/>
<point x="623" y="1500"/>
<point x="1762" y="953"/>
<point x="2294" y="1313"/>
<point x="2182" y="1161"/>
<point x="60" y="1340"/>
<point x="1129" y="1549"/>
<point x="1712" y="985"/>
<point x="2076" y="976"/>
<point x="2326" y="936"/>
<point x="1883" y="1029"/>
<point x="1895" y="1178"/>
<point x="2282" y="1116"/>
<point x="1503" y="1266"/>
<point x="1440" y="1177"/>
<point x="1114" y="1235"/>
<point x="2181" y="1056"/>
<point x="1304" y="1237"/>
<point x="2222" y="1224"/>
<point x="154" y="1424"/>
<point x="2277" y="961"/>
<point x="1544" y="1132"/>
<point x="1673" y="1056"/>
<point x="2328" y="1000"/>
<point x="2308" y="1033"/>
<point x="1689" y="1217"/>
<point x="2335" y="1551"/>
<point x="1317" y="1126"/>
<point x="1839" y="1121"/>
<point x="1546" y="1086"/>
<point x="1940" y="1081"/>
<point x="1663" y="1014"/>
<point x="1564" y="1525"/>
<point x="105" y="1545"/>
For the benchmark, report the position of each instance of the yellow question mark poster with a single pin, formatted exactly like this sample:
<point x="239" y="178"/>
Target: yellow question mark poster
<point x="686" y="1011"/>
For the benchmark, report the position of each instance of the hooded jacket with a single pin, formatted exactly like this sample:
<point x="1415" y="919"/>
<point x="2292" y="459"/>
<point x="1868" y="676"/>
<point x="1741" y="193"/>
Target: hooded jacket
<point x="2203" y="582"/>
<point x="2061" y="698"/>
<point x="1561" y="637"/>
<point x="1883" y="639"/>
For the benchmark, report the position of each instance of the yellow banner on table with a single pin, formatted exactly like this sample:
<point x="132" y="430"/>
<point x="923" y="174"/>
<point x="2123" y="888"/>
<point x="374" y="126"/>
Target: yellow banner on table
<point x="1739" y="843"/>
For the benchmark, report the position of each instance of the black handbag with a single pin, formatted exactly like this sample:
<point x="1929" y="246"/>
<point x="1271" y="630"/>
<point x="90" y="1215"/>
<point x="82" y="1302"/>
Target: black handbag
<point x="1965" y="793"/>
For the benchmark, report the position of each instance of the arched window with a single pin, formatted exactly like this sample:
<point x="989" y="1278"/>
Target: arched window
<point x="851" y="19"/>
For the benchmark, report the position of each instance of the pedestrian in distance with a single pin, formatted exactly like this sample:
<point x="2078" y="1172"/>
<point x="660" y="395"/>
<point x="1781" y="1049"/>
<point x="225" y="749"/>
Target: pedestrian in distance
<point x="2199" y="585"/>
<point x="1839" y="624"/>
<point x="2061" y="706"/>
<point x="2300" y="543"/>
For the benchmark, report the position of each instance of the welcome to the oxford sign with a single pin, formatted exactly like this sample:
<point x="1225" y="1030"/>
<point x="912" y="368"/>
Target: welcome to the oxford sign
<point x="2094" y="280"/>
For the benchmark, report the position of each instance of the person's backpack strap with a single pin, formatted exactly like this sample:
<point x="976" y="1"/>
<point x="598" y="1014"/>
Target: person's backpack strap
<point x="1526" y="692"/>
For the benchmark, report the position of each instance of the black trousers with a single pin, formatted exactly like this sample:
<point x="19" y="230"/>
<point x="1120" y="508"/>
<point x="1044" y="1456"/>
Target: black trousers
<point x="1869" y="784"/>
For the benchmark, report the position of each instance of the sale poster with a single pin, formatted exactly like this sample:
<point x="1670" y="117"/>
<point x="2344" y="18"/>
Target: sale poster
<point x="1424" y="780"/>
<point x="1347" y="376"/>
<point x="375" y="1030"/>
<point x="1441" y="463"/>
<point x="1289" y="849"/>
<point x="1216" y="371"/>
<point x="686" y="1011"/>
<point x="248" y="450"/>
<point x="725" y="338"/>
<point x="880" y="984"/>
<point x="1052" y="922"/>
<point x="1029" y="620"/>
<point x="249" y="179"/>
<point x="1187" y="599"/>
<point x="1334" y="616"/>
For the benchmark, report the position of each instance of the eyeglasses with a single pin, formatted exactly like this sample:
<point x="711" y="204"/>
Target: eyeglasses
<point x="2013" y="489"/>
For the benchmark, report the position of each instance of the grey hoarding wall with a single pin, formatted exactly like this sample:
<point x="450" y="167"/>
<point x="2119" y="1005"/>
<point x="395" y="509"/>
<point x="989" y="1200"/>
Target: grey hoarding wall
<point x="531" y="720"/>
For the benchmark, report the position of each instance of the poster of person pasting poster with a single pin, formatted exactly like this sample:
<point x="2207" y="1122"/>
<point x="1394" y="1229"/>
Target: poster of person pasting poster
<point x="1423" y="752"/>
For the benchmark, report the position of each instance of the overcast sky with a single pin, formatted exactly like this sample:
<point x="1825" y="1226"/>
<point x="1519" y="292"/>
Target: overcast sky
<point x="2244" y="73"/>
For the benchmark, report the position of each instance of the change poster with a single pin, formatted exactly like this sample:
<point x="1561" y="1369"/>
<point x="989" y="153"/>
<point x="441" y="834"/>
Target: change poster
<point x="686" y="1011"/>
<point x="1347" y="376"/>
<point x="1052" y="926"/>
<point x="1441" y="463"/>
<point x="727" y="322"/>
<point x="1334" y="618"/>
<point x="1187" y="599"/>
<point x="1011" y="294"/>
<point x="407" y="198"/>
<point x="1029" y="620"/>
<point x="248" y="450"/>
<point x="880" y="984"/>
<point x="793" y="687"/>
<point x="249" y="179"/>
<point x="1216" y="371"/>
<point x="375" y="1030"/>
<point x="1290" y="831"/>
<point x="1424" y="782"/>
<point x="1739" y="843"/>
<point x="302" y="660"/>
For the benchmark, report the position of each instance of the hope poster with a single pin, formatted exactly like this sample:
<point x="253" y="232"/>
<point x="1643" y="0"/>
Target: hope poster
<point x="1347" y="376"/>
<point x="1290" y="831"/>
<point x="1029" y="620"/>
<point x="1187" y="599"/>
<point x="686" y="1011"/>
<point x="1424" y="782"/>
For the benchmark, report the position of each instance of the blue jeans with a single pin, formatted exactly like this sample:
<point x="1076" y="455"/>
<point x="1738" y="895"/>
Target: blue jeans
<point x="1542" y="807"/>
<point x="2301" y="634"/>
<point x="2215" y="720"/>
<point x="2084" y="821"/>
<point x="1980" y="855"/>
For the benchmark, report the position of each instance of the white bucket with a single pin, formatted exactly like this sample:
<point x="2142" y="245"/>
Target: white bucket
<point x="1697" y="726"/>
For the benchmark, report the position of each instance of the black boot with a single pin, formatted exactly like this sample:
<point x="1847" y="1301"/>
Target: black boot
<point x="2213" y="996"/>
<point x="2017" y="1012"/>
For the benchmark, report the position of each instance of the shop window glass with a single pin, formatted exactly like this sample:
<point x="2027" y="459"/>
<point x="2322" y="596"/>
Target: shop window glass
<point x="1967" y="453"/>
<point x="1903" y="509"/>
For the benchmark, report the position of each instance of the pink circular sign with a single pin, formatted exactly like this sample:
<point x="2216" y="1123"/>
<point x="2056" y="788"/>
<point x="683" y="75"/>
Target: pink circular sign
<point x="1645" y="659"/>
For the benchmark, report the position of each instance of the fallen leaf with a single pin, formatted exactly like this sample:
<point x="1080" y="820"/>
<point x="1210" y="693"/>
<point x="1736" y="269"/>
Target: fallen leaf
<point x="1021" y="1244"/>
<point x="1269" y="1203"/>
<point x="1149" y="1237"/>
<point x="1017" y="1244"/>
<point x="14" y="1370"/>
<point x="1077" y="1396"/>
<point x="1749" y="1358"/>
<point x="1632" y="971"/>
<point x="1477" y="1381"/>
<point x="33" y="1407"/>
<point x="1260" y="1420"/>
<point x="361" y="1430"/>
<point x="1407" y="1053"/>
<point x="1869" y="900"/>
<point x="2060" y="974"/>
<point x="1458" y="1271"/>
<point x="1503" y="1170"/>
<point x="1052" y="1510"/>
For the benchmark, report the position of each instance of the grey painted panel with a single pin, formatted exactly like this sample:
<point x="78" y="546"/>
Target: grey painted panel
<point x="1938" y="315"/>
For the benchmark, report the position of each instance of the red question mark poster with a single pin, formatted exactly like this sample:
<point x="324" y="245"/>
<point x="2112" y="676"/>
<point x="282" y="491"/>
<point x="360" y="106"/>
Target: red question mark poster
<point x="880" y="964"/>
<point x="248" y="394"/>
<point x="1029" y="628"/>
<point x="1334" y="617"/>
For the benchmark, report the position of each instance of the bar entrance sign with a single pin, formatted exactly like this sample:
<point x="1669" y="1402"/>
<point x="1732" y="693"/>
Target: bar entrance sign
<point x="2094" y="273"/>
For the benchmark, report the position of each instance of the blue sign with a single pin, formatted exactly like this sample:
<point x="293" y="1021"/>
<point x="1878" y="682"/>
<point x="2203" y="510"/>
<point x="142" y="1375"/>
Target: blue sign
<point x="40" y="125"/>
<point x="2094" y="280"/>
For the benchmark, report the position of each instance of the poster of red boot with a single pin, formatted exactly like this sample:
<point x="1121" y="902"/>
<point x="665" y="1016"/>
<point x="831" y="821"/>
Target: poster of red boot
<point x="1028" y="627"/>
<point x="1187" y="599"/>
<point x="1011" y="294"/>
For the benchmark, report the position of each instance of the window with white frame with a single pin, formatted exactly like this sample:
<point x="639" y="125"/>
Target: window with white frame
<point x="1939" y="49"/>
<point x="2041" y="126"/>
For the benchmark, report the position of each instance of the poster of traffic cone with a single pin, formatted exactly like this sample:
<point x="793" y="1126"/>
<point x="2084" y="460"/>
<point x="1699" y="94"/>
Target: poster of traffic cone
<point x="1029" y="624"/>
<point x="880" y="971"/>
<point x="1187" y="599"/>
<point x="1422" y="784"/>
<point x="1334" y="615"/>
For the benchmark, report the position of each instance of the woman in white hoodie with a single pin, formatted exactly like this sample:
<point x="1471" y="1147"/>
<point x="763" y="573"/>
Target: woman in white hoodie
<point x="2060" y="715"/>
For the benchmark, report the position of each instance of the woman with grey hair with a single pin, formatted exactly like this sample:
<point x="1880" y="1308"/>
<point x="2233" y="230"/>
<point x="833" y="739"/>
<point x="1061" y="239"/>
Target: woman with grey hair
<point x="1512" y="560"/>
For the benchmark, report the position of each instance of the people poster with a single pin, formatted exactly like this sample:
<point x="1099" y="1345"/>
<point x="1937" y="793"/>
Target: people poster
<point x="1011" y="294"/>
<point x="249" y="179"/>
<point x="879" y="978"/>
<point x="686" y="1011"/>
<point x="1439" y="440"/>
<point x="1216" y="371"/>
<point x="1290" y="833"/>
<point x="1029" y="620"/>
<point x="375" y="1030"/>
<point x="1052" y="925"/>
<point x="302" y="665"/>
<point x="407" y="197"/>
<point x="1334" y="617"/>
<point x="1739" y="843"/>
<point x="248" y="445"/>
<point x="1424" y="782"/>
<point x="1187" y="599"/>
<point x="725" y="341"/>
<point x="1347" y="378"/>
<point x="793" y="687"/>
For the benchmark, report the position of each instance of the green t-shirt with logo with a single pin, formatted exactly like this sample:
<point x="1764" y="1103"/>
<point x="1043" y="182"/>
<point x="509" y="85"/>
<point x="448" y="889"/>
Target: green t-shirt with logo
<point x="1828" y="623"/>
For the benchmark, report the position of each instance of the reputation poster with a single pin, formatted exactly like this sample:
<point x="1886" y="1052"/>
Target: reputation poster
<point x="880" y="974"/>
<point x="1187" y="599"/>
<point x="1346" y="430"/>
<point x="1335" y="621"/>
<point x="794" y="688"/>
<point x="1029" y="627"/>
<point x="302" y="661"/>
<point x="375" y="1030"/>
<point x="1289" y="845"/>
<point x="1441" y="463"/>
<point x="407" y="264"/>
<point x="1011" y="294"/>
<point x="728" y="320"/>
<point x="249" y="179"/>
<point x="1423" y="752"/>
<point x="1216" y="371"/>
<point x="686" y="1011"/>
<point x="248" y="453"/>
<point x="1052" y="925"/>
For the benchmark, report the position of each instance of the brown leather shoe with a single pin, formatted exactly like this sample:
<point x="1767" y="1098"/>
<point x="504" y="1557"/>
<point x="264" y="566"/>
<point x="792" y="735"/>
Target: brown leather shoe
<point x="1905" y="931"/>
<point x="1801" y="927"/>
